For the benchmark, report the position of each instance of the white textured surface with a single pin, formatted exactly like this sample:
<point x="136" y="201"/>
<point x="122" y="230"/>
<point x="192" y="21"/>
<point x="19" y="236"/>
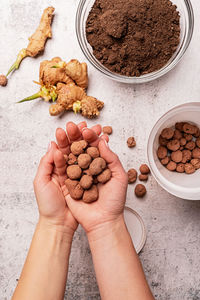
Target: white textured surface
<point x="171" y="254"/>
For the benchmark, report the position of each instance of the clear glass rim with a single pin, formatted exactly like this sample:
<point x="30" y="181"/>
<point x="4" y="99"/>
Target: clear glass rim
<point x="178" y="191"/>
<point x="144" y="78"/>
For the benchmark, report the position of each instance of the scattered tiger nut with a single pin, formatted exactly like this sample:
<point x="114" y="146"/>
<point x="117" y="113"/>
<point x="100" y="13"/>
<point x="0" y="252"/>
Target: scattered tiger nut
<point x="3" y="80"/>
<point x="180" y="168"/>
<point x="189" y="168"/>
<point x="190" y="145"/>
<point x="140" y="190"/>
<point x="167" y="133"/>
<point x="144" y="169"/>
<point x="187" y="155"/>
<point x="196" y="163"/>
<point x="84" y="160"/>
<point x="104" y="176"/>
<point x="177" y="156"/>
<point x="74" y="188"/>
<point x="131" y="142"/>
<point x="91" y="195"/>
<point x="162" y="152"/>
<point x="86" y="182"/>
<point x="93" y="152"/>
<point x="107" y="130"/>
<point x="179" y="125"/>
<point x="165" y="161"/>
<point x="72" y="159"/>
<point x="188" y="137"/>
<point x="74" y="172"/>
<point x="171" y="166"/>
<point x="162" y="141"/>
<point x="183" y="141"/>
<point x="188" y="128"/>
<point x="173" y="145"/>
<point x="132" y="175"/>
<point x="143" y="177"/>
<point x="196" y="153"/>
<point x="198" y="142"/>
<point x="177" y="134"/>
<point x="97" y="166"/>
<point x="78" y="147"/>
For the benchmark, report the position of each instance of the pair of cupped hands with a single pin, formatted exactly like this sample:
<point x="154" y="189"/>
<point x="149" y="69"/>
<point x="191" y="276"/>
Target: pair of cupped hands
<point x="56" y="207"/>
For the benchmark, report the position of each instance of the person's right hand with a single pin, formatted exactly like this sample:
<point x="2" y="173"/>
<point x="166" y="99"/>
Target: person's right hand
<point x="109" y="207"/>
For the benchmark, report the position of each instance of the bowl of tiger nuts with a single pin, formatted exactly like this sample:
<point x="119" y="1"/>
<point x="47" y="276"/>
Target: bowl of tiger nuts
<point x="174" y="151"/>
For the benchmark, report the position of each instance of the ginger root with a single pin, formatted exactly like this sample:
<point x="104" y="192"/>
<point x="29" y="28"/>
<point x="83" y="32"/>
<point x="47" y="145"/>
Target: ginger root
<point x="37" y="40"/>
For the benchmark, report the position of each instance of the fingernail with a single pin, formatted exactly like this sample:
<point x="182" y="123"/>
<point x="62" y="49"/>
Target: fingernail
<point x="49" y="147"/>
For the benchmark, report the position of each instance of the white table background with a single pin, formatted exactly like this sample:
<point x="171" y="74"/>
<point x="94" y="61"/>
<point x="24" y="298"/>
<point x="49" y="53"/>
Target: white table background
<point x="171" y="254"/>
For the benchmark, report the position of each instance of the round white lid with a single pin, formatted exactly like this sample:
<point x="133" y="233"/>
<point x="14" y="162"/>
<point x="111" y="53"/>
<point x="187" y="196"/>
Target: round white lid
<point x="136" y="228"/>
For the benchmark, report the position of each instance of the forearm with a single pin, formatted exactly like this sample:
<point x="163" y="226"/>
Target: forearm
<point x="117" y="266"/>
<point x="45" y="271"/>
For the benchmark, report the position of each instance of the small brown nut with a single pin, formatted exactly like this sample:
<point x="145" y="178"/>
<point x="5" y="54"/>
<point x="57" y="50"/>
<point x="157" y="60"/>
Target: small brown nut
<point x="3" y="80"/>
<point x="131" y="142"/>
<point x="140" y="190"/>
<point x="198" y="142"/>
<point x="190" y="145"/>
<point x="188" y="128"/>
<point x="187" y="155"/>
<point x="173" y="145"/>
<point x="72" y="159"/>
<point x="188" y="137"/>
<point x="104" y="176"/>
<point x="78" y="147"/>
<point x="93" y="152"/>
<point x="132" y="175"/>
<point x="177" y="156"/>
<point x="91" y="195"/>
<point x="183" y="142"/>
<point x="165" y="160"/>
<point x="162" y="152"/>
<point x="180" y="168"/>
<point x="167" y="133"/>
<point x="74" y="188"/>
<point x="86" y="182"/>
<point x="97" y="166"/>
<point x="177" y="134"/>
<point x="171" y="166"/>
<point x="162" y="141"/>
<point x="196" y="163"/>
<point x="179" y="126"/>
<point x="197" y="133"/>
<point x="189" y="168"/>
<point x="84" y="160"/>
<point x="144" y="169"/>
<point x="143" y="177"/>
<point x="107" y="130"/>
<point x="196" y="153"/>
<point x="74" y="172"/>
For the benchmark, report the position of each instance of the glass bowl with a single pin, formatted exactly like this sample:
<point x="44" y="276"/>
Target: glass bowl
<point x="181" y="185"/>
<point x="186" y="23"/>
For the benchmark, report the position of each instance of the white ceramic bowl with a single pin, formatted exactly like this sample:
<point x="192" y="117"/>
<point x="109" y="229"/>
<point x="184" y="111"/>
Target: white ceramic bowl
<point x="181" y="185"/>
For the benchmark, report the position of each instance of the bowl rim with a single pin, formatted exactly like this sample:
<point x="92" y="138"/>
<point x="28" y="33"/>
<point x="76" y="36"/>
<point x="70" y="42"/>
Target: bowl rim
<point x="144" y="78"/>
<point x="176" y="190"/>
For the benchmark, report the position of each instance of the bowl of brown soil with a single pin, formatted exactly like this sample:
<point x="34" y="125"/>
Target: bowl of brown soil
<point x="134" y="41"/>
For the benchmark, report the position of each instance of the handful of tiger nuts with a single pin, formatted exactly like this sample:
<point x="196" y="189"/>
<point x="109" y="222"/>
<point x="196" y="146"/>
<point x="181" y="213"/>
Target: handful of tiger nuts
<point x="84" y="171"/>
<point x="179" y="148"/>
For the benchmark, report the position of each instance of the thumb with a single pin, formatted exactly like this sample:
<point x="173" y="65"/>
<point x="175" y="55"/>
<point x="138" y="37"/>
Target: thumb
<point x="113" y="161"/>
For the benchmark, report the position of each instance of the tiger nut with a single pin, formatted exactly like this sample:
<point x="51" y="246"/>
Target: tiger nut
<point x="188" y="137"/>
<point x="84" y="160"/>
<point x="173" y="145"/>
<point x="183" y="141"/>
<point x="143" y="177"/>
<point x="162" y="152"/>
<point x="74" y="172"/>
<point x="177" y="134"/>
<point x="179" y="126"/>
<point x="196" y="153"/>
<point x="86" y="182"/>
<point x="177" y="156"/>
<point x="132" y="175"/>
<point x="144" y="169"/>
<point x="187" y="155"/>
<point x="188" y="128"/>
<point x="162" y="141"/>
<point x="74" y="188"/>
<point x="189" y="168"/>
<point x="167" y="133"/>
<point x="198" y="142"/>
<point x="190" y="145"/>
<point x="3" y="80"/>
<point x="165" y="160"/>
<point x="180" y="168"/>
<point x="72" y="159"/>
<point x="171" y="166"/>
<point x="93" y="152"/>
<point x="97" y="166"/>
<point x="107" y="130"/>
<point x="104" y="176"/>
<point x="91" y="195"/>
<point x="196" y="163"/>
<point x="140" y="190"/>
<point x="131" y="142"/>
<point x="78" y="147"/>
